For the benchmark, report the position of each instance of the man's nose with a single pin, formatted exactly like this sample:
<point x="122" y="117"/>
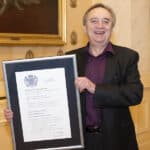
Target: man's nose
<point x="100" y="23"/>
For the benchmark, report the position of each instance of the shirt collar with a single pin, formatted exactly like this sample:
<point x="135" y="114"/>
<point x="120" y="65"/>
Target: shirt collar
<point x="107" y="50"/>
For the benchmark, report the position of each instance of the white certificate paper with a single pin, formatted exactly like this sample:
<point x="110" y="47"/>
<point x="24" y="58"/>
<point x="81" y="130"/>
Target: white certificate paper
<point x="43" y="104"/>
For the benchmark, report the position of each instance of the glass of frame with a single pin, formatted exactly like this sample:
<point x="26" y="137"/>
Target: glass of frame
<point x="45" y="102"/>
<point x="33" y="22"/>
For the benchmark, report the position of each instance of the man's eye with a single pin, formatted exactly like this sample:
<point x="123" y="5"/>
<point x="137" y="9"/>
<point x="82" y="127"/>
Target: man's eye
<point x="106" y="21"/>
<point x="93" y="21"/>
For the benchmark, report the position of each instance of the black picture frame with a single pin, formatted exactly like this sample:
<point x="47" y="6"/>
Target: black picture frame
<point x="68" y="62"/>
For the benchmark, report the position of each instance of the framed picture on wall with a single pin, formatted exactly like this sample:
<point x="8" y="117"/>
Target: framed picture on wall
<point x="35" y="22"/>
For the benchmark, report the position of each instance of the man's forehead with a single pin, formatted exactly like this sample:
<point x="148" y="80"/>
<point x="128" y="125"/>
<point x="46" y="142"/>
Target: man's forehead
<point x="100" y="12"/>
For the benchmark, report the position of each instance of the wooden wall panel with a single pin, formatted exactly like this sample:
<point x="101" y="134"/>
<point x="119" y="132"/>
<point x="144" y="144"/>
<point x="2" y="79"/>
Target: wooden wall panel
<point x="141" y="115"/>
<point x="5" y="137"/>
<point x="5" y="131"/>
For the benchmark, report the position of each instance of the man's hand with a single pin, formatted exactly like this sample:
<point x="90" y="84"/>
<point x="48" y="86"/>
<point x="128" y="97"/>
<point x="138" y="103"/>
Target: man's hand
<point x="83" y="83"/>
<point x="8" y="114"/>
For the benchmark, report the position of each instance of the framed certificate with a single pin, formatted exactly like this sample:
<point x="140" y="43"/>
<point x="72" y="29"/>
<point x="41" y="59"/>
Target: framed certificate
<point x="45" y="102"/>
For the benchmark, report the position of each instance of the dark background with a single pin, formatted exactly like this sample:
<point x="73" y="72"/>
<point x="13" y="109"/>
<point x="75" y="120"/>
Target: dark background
<point x="32" y="19"/>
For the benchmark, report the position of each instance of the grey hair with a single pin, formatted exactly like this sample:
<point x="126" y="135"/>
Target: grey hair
<point x="100" y="5"/>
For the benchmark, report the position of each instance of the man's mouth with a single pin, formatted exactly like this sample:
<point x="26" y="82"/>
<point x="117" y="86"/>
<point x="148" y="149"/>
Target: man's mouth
<point x="99" y="32"/>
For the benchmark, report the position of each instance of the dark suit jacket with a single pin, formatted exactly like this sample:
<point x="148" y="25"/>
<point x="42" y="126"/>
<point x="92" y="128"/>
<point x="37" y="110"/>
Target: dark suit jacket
<point x="121" y="88"/>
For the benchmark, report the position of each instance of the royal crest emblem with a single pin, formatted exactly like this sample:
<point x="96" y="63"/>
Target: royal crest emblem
<point x="31" y="80"/>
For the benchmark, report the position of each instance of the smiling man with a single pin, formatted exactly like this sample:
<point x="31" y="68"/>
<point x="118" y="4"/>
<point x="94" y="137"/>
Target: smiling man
<point x="109" y="82"/>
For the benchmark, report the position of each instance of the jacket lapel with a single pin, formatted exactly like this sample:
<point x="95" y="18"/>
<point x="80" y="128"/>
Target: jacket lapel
<point x="110" y="74"/>
<point x="82" y="62"/>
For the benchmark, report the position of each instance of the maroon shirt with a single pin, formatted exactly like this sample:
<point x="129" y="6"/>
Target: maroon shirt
<point x="95" y="69"/>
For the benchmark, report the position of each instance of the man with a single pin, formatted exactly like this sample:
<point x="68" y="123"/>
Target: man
<point x="109" y="82"/>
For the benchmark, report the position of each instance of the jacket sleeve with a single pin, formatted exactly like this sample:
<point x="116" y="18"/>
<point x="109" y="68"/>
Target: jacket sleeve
<point x="127" y="93"/>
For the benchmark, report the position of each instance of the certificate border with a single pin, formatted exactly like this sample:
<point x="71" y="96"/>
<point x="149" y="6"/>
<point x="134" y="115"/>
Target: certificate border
<point x="68" y="62"/>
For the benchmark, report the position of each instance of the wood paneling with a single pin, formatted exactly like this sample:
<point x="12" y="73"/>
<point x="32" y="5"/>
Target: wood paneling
<point x="5" y="131"/>
<point x="141" y="115"/>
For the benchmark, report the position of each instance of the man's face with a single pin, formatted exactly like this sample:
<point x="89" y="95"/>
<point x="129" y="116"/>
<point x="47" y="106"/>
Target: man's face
<point x="99" y="26"/>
